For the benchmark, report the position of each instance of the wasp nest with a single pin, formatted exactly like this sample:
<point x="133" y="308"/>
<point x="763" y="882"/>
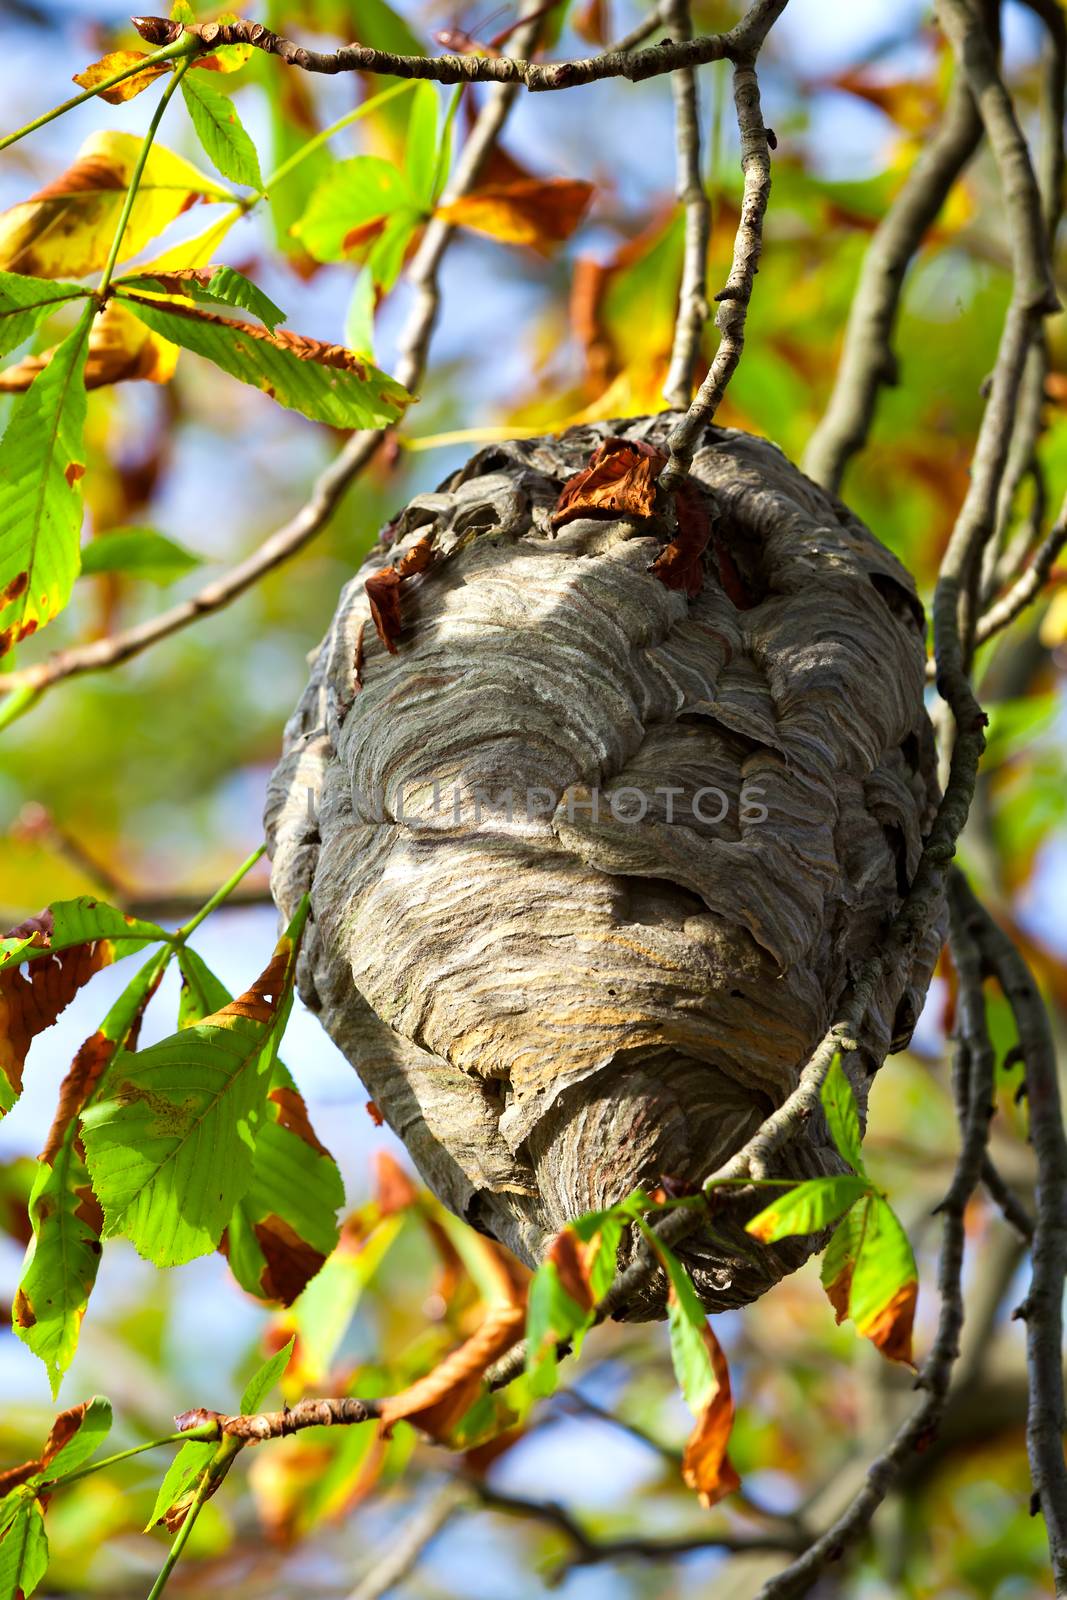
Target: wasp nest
<point x="600" y="803"/>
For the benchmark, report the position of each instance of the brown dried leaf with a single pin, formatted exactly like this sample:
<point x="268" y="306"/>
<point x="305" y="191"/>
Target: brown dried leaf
<point x="539" y="212"/>
<point x="436" y="1402"/>
<point x="293" y="1116"/>
<point x="291" y="1261"/>
<point x="680" y="565"/>
<point x="63" y="1429"/>
<point x="118" y="61"/>
<point x="620" y="480"/>
<point x="383" y="590"/>
<point x="705" y="1464"/>
<point x="29" y="1004"/>
<point x="121" y="350"/>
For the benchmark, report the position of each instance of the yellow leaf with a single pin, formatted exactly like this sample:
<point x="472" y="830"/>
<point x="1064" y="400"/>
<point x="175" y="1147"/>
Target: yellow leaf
<point x="67" y="227"/>
<point x="540" y="212"/>
<point x="196" y="252"/>
<point x="121" y="349"/>
<point x="1054" y="622"/>
<point x="118" y="61"/>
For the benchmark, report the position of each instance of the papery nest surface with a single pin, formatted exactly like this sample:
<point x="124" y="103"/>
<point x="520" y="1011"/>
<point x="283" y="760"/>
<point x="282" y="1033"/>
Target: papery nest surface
<point x="717" y="802"/>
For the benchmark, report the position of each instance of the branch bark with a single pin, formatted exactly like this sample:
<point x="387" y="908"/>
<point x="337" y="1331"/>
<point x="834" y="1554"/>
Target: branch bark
<point x="692" y="295"/>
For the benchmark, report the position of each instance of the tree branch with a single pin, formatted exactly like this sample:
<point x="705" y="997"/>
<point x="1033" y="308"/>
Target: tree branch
<point x="692" y="295"/>
<point x="668" y="56"/>
<point x="974" y="1068"/>
<point x="1042" y="1310"/>
<point x="734" y="298"/>
<point x="411" y="1542"/>
<point x="867" y="360"/>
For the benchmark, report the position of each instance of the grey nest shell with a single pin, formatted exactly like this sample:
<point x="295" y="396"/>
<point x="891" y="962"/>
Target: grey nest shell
<point x="554" y="1006"/>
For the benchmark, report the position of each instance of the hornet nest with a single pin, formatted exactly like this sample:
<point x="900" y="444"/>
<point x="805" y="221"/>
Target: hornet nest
<point x="708" y="713"/>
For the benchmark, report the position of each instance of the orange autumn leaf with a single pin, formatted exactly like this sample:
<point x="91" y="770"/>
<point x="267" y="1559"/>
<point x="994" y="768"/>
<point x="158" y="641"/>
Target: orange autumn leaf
<point x="571" y="1261"/>
<point x="395" y="1190"/>
<point x="620" y="481"/>
<point x="117" y="61"/>
<point x="890" y="1331"/>
<point x="539" y="212"/>
<point x="436" y="1402"/>
<point x="705" y="1464"/>
<point x="121" y="350"/>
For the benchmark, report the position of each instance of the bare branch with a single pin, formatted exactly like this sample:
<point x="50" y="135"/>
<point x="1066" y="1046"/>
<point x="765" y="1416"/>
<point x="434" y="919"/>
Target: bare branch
<point x="412" y="1541"/>
<point x="975" y="1065"/>
<point x="867" y="360"/>
<point x="734" y="298"/>
<point x="589" y="1552"/>
<point x="668" y="56"/>
<point x="692" y="295"/>
<point x="1042" y="1310"/>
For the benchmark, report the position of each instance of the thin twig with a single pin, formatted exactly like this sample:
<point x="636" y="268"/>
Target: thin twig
<point x="975" y="1063"/>
<point x="1042" y="1310"/>
<point x="589" y="1551"/>
<point x="867" y="360"/>
<point x="411" y="1542"/>
<point x="733" y="299"/>
<point x="1029" y="416"/>
<point x="692" y="294"/>
<point x="636" y="65"/>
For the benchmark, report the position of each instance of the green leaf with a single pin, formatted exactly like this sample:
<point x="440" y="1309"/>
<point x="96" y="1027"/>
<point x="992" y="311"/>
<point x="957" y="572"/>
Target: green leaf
<point x="322" y="381"/>
<point x="66" y="923"/>
<point x="221" y="132"/>
<point x="420" y="149"/>
<point x="351" y="206"/>
<point x="138" y="553"/>
<point x="23" y="1545"/>
<point x="201" y="991"/>
<point x="359" y="318"/>
<point x="322" y="1314"/>
<point x="551" y="1316"/>
<point x="24" y="302"/>
<point x="221" y="286"/>
<point x="285" y="1225"/>
<point x="41" y="460"/>
<point x="884" y="1273"/>
<point x="263" y="1380"/>
<point x="232" y="288"/>
<point x="184" y="1472"/>
<point x="90" y="1434"/>
<point x="842" y="1115"/>
<point x="869" y="1274"/>
<point x="687" y="1320"/>
<point x="62" y="1263"/>
<point x="808" y="1208"/>
<point x="170" y="1143"/>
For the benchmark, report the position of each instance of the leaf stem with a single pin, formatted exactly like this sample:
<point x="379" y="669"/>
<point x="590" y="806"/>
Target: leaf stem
<point x="138" y="173"/>
<point x="215" y="1471"/>
<point x="444" y="149"/>
<point x="205" y="1431"/>
<point x="221" y="894"/>
<point x="171" y="52"/>
<point x="319" y="139"/>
